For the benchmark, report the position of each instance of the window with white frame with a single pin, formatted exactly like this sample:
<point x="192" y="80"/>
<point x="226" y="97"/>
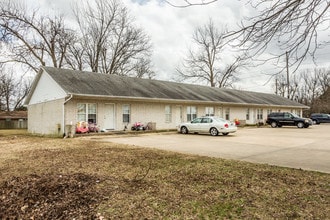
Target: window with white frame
<point x="259" y="113"/>
<point x="209" y="111"/>
<point x="168" y="114"/>
<point x="191" y="113"/>
<point x="86" y="112"/>
<point x="227" y="114"/>
<point x="247" y="114"/>
<point x="126" y="113"/>
<point x="269" y="111"/>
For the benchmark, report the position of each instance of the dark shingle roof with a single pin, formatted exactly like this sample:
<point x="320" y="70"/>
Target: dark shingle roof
<point x="88" y="83"/>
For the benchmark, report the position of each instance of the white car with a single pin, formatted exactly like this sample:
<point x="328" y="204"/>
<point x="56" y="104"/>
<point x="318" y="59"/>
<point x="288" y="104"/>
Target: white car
<point x="208" y="124"/>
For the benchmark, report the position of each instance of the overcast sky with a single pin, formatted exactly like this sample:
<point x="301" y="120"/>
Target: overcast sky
<point x="171" y="29"/>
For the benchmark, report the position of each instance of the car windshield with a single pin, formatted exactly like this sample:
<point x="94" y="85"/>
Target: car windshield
<point x="294" y="115"/>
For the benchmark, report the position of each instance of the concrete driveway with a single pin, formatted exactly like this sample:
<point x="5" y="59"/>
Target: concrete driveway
<point x="307" y="149"/>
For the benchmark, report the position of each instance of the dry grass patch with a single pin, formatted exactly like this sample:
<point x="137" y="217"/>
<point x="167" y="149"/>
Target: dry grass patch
<point x="44" y="178"/>
<point x="12" y="132"/>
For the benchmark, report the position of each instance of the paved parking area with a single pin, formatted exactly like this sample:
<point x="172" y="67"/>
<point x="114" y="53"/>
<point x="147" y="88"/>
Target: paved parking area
<point x="307" y="149"/>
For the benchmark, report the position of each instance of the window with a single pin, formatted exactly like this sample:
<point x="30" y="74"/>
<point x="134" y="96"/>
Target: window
<point x="227" y="113"/>
<point x="287" y="115"/>
<point x="209" y="111"/>
<point x="168" y="114"/>
<point x="92" y="113"/>
<point x="191" y="113"/>
<point x="206" y="120"/>
<point x="259" y="114"/>
<point x="87" y="112"/>
<point x="269" y="111"/>
<point x="247" y="114"/>
<point x="126" y="113"/>
<point x="196" y="120"/>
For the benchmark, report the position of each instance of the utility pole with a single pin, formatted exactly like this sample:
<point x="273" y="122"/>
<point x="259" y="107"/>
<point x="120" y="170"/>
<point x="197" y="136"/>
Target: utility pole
<point x="287" y="73"/>
<point x="276" y="85"/>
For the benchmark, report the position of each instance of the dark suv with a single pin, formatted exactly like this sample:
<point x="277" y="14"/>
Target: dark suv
<point x="318" y="118"/>
<point x="279" y="119"/>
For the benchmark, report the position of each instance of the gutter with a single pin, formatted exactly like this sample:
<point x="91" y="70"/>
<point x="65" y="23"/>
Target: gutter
<point x="63" y="111"/>
<point x="180" y="101"/>
<point x="70" y="97"/>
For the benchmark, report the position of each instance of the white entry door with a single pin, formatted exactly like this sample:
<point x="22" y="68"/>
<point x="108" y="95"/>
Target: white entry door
<point x="178" y="115"/>
<point x="109" y="116"/>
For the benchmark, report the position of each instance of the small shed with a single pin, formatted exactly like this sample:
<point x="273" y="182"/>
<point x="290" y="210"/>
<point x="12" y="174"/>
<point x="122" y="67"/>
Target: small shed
<point x="13" y="120"/>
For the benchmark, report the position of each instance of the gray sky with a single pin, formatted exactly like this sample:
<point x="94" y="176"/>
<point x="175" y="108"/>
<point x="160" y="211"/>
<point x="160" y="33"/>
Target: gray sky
<point x="171" y="32"/>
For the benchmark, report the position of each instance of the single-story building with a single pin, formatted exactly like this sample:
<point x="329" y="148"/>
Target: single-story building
<point x="13" y="120"/>
<point x="62" y="97"/>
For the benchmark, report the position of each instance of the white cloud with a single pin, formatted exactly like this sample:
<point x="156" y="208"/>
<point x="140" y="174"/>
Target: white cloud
<point x="171" y="28"/>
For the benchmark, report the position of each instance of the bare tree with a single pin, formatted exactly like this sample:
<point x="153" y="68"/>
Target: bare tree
<point x="143" y="69"/>
<point x="3" y="79"/>
<point x="283" y="89"/>
<point x="33" y="40"/>
<point x="316" y="82"/>
<point x="13" y="90"/>
<point x="205" y="63"/>
<point x="75" y="56"/>
<point x="323" y="75"/>
<point x="305" y="87"/>
<point x="321" y="104"/>
<point x="7" y="89"/>
<point x="111" y="43"/>
<point x="293" y="26"/>
<point x="231" y="70"/>
<point x="187" y="3"/>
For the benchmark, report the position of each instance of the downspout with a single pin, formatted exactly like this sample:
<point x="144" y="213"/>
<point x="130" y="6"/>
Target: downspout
<point x="63" y="109"/>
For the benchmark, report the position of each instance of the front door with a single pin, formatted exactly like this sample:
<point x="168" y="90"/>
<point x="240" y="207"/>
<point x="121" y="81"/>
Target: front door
<point x="109" y="116"/>
<point x="178" y="115"/>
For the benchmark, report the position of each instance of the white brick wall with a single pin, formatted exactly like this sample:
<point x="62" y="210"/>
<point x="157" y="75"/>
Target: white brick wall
<point x="44" y="118"/>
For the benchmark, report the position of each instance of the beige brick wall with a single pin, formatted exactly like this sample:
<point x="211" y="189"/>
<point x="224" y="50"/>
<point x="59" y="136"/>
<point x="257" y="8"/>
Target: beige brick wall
<point x="155" y="112"/>
<point x="46" y="118"/>
<point x="140" y="112"/>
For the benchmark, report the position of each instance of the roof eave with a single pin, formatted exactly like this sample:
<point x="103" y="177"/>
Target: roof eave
<point x="176" y="101"/>
<point x="33" y="87"/>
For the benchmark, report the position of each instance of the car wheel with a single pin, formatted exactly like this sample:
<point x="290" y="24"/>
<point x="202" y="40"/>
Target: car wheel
<point x="273" y="124"/>
<point x="214" y="131"/>
<point x="184" y="130"/>
<point x="300" y="125"/>
<point x="225" y="134"/>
